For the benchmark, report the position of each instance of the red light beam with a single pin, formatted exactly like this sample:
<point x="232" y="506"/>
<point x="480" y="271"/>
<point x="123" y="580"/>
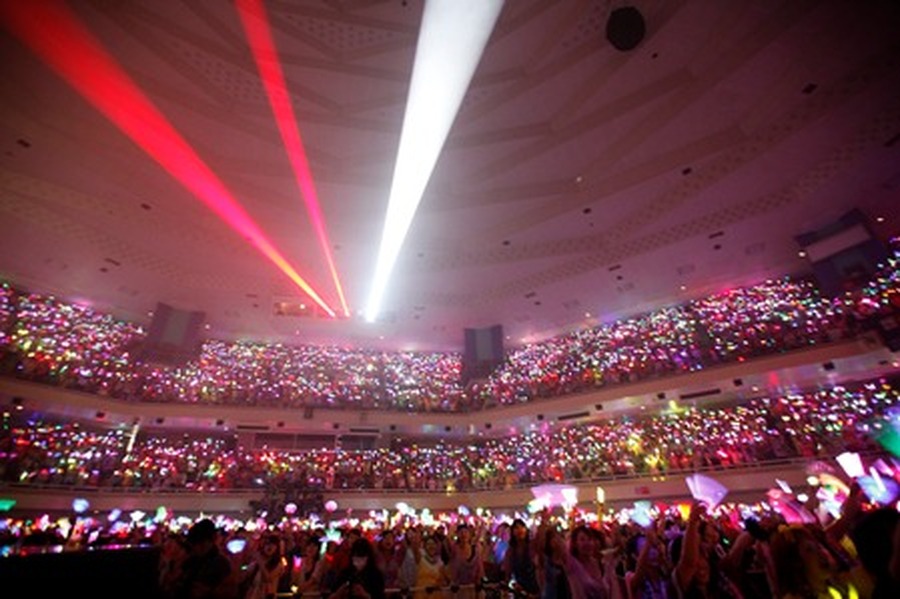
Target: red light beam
<point x="53" y="32"/>
<point x="259" y="34"/>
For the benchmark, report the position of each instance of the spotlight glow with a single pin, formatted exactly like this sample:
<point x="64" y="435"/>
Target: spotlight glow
<point x="452" y="38"/>
<point x="54" y="33"/>
<point x="259" y="34"/>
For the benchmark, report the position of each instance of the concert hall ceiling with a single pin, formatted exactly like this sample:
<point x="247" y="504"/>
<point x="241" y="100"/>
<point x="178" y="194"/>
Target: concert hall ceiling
<point x="579" y="183"/>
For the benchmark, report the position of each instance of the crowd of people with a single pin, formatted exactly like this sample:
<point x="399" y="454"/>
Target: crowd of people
<point x="678" y="438"/>
<point x="785" y="548"/>
<point x="767" y="318"/>
<point x="824" y="544"/>
<point x="52" y="341"/>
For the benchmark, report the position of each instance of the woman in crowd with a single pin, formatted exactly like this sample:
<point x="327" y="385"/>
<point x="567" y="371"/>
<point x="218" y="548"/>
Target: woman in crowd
<point x="585" y="574"/>
<point x="406" y="578"/>
<point x="389" y="556"/>
<point x="651" y="576"/>
<point x="307" y="578"/>
<point x="466" y="567"/>
<point x="697" y="555"/>
<point x="499" y="543"/>
<point x="802" y="567"/>
<point x="330" y="568"/>
<point x="361" y="579"/>
<point x="749" y="561"/>
<point x="270" y="566"/>
<point x="431" y="572"/>
<point x="553" y="563"/>
<point x="519" y="561"/>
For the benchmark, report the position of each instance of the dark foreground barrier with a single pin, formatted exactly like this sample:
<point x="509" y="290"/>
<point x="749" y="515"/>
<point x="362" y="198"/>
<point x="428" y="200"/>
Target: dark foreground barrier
<point x="121" y="572"/>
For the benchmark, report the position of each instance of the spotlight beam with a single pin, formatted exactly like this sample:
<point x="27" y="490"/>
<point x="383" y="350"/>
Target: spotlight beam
<point x="259" y="34"/>
<point x="54" y="33"/>
<point x="451" y="41"/>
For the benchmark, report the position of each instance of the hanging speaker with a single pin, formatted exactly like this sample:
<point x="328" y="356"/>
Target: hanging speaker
<point x="174" y="336"/>
<point x="625" y="28"/>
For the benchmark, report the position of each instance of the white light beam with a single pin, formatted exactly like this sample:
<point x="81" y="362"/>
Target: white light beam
<point x="451" y="41"/>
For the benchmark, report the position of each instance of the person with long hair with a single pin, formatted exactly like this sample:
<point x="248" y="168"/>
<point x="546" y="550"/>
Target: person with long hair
<point x="307" y="578"/>
<point x="361" y="579"/>
<point x="466" y="567"/>
<point x="271" y="565"/>
<point x="805" y="565"/>
<point x="389" y="555"/>
<point x="650" y="577"/>
<point x="697" y="555"/>
<point x="519" y="562"/>
<point x="431" y="571"/>
<point x="553" y="563"/>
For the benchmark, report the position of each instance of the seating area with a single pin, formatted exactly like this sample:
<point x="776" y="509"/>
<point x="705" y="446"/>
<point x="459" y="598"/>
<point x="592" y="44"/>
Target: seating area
<point x="52" y="341"/>
<point x="813" y="425"/>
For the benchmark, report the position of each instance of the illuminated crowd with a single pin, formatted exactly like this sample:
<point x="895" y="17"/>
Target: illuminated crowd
<point x="832" y="537"/>
<point x="45" y="339"/>
<point x="810" y="542"/>
<point x="676" y="439"/>
<point x="767" y="318"/>
<point x="48" y="340"/>
<point x="813" y="540"/>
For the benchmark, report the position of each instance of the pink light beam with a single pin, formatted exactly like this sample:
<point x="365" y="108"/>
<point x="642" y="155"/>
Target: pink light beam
<point x="259" y="34"/>
<point x="54" y="33"/>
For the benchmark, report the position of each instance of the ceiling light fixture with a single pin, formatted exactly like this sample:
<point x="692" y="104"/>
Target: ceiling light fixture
<point x="54" y="33"/>
<point x="259" y="35"/>
<point x="452" y="38"/>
